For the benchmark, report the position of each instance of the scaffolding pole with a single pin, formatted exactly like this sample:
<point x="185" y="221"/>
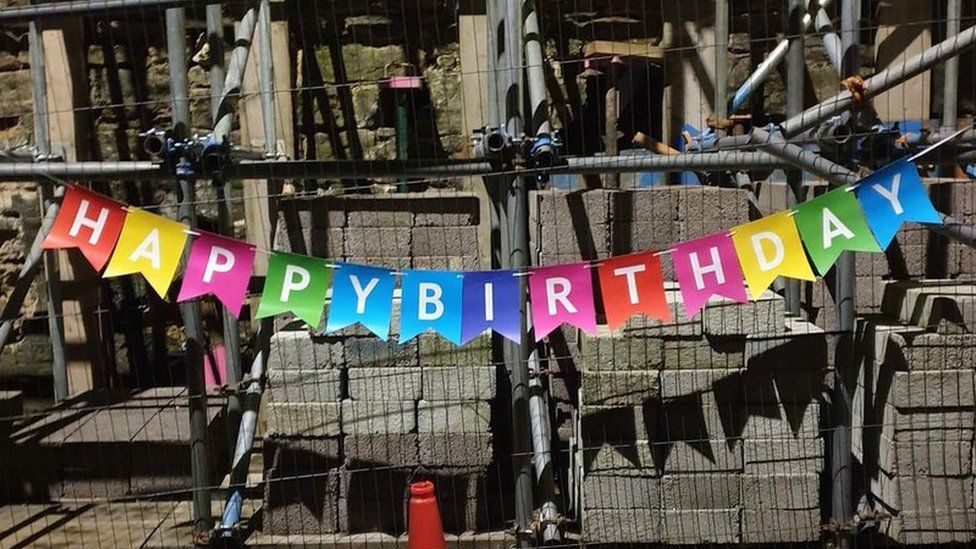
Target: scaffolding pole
<point x="795" y="75"/>
<point x="190" y="310"/>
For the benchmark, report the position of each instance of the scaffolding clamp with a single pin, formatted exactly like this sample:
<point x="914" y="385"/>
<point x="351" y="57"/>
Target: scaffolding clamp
<point x="188" y="157"/>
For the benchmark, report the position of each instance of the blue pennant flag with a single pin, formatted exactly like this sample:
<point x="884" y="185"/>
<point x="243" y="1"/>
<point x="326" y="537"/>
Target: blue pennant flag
<point x="893" y="195"/>
<point x="361" y="294"/>
<point x="491" y="300"/>
<point x="431" y="300"/>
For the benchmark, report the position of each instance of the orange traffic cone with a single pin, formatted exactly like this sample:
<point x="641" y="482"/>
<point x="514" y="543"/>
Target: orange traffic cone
<point x="425" y="530"/>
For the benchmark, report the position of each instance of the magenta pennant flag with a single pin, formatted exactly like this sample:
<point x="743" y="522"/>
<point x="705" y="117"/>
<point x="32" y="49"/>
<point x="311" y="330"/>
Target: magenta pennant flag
<point x="220" y="266"/>
<point x="562" y="293"/>
<point x="706" y="267"/>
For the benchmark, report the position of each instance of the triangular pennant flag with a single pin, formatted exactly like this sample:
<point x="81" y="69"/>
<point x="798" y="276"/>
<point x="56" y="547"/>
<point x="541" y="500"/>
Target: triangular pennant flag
<point x="632" y="284"/>
<point x="893" y="195"/>
<point x="830" y="225"/>
<point x="220" y="266"/>
<point x="562" y="293"/>
<point x="87" y="221"/>
<point x="362" y="294"/>
<point x="431" y="300"/>
<point x="706" y="267"/>
<point x="770" y="247"/>
<point x="150" y="245"/>
<point x="490" y="300"/>
<point x="297" y="284"/>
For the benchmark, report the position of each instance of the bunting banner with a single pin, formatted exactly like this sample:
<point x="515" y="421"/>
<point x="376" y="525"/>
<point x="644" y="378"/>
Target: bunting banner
<point x="706" y="267"/>
<point x="770" y="247"/>
<point x="798" y="244"/>
<point x="632" y="284"/>
<point x="892" y="196"/>
<point x="832" y="224"/>
<point x="490" y="301"/>
<point x="562" y="294"/>
<point x="362" y="294"/>
<point x="297" y="284"/>
<point x="150" y="245"/>
<point x="87" y="221"/>
<point x="431" y="300"/>
<point x="220" y="266"/>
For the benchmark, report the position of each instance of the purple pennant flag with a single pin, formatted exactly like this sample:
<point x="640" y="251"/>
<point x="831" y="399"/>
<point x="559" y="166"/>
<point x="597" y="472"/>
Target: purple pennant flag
<point x="490" y="301"/>
<point x="220" y="266"/>
<point x="706" y="267"/>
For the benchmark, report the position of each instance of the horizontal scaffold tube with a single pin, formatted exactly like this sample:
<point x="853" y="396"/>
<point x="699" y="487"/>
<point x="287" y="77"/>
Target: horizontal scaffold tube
<point x="881" y="82"/>
<point x="88" y="7"/>
<point x="380" y="169"/>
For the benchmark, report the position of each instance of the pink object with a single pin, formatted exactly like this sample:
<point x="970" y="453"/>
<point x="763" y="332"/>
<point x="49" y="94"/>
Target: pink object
<point x="562" y="293"/>
<point x="219" y="266"/>
<point x="404" y="83"/>
<point x="706" y="267"/>
<point x="215" y="374"/>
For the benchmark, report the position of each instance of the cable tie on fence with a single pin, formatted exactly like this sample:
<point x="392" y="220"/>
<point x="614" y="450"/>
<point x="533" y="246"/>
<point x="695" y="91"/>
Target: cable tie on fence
<point x="663" y="252"/>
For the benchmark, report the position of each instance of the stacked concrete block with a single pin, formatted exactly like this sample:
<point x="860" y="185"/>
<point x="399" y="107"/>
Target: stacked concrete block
<point x="304" y="386"/>
<point x="656" y="218"/>
<point x="732" y="405"/>
<point x="403" y="231"/>
<point x="922" y="454"/>
<point x="571" y="227"/>
<point x="302" y="443"/>
<point x="784" y="454"/>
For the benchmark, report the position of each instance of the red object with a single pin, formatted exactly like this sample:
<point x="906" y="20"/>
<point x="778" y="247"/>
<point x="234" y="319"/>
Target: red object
<point x="89" y="222"/>
<point x="425" y="530"/>
<point x="632" y="284"/>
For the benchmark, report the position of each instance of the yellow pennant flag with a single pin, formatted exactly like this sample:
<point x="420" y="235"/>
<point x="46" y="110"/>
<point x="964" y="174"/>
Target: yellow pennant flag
<point x="151" y="245"/>
<point x="770" y="247"/>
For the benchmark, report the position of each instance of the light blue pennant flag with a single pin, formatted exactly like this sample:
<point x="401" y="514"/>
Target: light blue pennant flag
<point x="361" y="294"/>
<point x="431" y="301"/>
<point x="893" y="195"/>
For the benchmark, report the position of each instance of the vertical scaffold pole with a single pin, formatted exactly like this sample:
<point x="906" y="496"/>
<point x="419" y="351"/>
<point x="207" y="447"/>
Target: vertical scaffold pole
<point x="795" y="73"/>
<point x="196" y="390"/>
<point x="841" y="459"/>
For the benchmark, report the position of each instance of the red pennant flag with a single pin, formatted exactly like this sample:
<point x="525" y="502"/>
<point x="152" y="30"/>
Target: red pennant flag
<point x="632" y="284"/>
<point x="87" y="221"/>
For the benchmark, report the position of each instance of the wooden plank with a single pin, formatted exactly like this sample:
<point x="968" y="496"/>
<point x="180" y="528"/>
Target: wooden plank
<point x="69" y="127"/>
<point x="623" y="49"/>
<point x="690" y="68"/>
<point x="257" y="216"/>
<point x="473" y="46"/>
<point x="897" y="40"/>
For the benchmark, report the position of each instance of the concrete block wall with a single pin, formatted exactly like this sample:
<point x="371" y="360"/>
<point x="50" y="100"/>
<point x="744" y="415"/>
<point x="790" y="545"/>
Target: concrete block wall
<point x="376" y="414"/>
<point x="919" y="414"/>
<point x="706" y="430"/>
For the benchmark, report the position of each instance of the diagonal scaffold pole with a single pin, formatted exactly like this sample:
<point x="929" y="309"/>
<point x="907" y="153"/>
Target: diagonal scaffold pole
<point x="231" y="517"/>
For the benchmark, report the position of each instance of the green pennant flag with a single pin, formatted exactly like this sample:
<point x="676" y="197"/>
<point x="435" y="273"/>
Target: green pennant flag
<point x="832" y="224"/>
<point x="295" y="283"/>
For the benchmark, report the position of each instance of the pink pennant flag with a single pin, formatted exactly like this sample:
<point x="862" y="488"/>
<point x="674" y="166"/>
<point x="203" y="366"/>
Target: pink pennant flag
<point x="220" y="266"/>
<point x="215" y="366"/>
<point x="706" y="267"/>
<point x="562" y="293"/>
